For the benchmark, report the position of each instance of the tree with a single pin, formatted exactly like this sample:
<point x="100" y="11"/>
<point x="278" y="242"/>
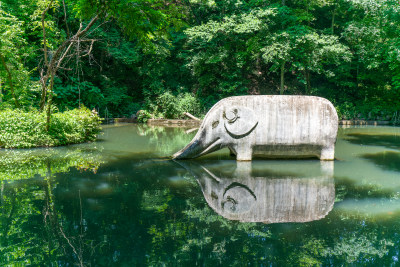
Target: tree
<point x="12" y="51"/>
<point x="142" y="19"/>
<point x="278" y="52"/>
<point x="221" y="53"/>
<point x="316" y="53"/>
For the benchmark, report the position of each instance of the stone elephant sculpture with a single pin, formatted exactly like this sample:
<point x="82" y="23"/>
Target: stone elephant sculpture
<point x="269" y="126"/>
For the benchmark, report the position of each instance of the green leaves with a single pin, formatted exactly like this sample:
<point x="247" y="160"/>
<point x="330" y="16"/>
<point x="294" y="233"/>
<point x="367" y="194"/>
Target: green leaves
<point x="172" y="107"/>
<point x="249" y="23"/>
<point x="346" y="50"/>
<point x="20" y="129"/>
<point x="13" y="50"/>
<point x="142" y="20"/>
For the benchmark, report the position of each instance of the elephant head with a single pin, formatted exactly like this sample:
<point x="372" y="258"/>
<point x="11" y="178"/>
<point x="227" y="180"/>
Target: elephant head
<point x="222" y="126"/>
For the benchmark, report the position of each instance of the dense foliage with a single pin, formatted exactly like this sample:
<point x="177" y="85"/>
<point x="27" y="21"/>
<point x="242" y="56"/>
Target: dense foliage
<point x="138" y="53"/>
<point x="19" y="129"/>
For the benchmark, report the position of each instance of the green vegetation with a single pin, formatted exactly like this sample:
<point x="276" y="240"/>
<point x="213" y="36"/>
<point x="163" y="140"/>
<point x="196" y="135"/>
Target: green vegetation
<point x="168" y="57"/>
<point x="19" y="129"/>
<point x="168" y="106"/>
<point x="25" y="164"/>
<point x="42" y="46"/>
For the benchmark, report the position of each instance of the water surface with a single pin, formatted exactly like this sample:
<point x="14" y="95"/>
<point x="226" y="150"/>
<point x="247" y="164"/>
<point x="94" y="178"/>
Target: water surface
<point x="122" y="202"/>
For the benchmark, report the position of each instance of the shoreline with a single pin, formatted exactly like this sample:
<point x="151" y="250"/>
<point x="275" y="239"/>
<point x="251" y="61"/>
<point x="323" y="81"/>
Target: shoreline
<point x="183" y="122"/>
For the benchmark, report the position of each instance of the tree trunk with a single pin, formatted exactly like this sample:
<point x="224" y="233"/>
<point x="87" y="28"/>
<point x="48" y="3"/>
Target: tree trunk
<point x="308" y="84"/>
<point x="10" y="82"/>
<point x="333" y="19"/>
<point x="1" y="93"/>
<point x="282" y="77"/>
<point x="43" y="98"/>
<point x="53" y="64"/>
<point x="191" y="116"/>
<point x="49" y="101"/>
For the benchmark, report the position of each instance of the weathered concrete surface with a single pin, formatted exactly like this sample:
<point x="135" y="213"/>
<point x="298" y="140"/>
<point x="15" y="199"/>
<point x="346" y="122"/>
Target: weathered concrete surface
<point x="248" y="198"/>
<point x="269" y="126"/>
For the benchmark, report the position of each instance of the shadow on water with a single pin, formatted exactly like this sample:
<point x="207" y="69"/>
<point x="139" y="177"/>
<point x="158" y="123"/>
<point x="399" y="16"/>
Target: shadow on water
<point x="387" y="160"/>
<point x="389" y="141"/>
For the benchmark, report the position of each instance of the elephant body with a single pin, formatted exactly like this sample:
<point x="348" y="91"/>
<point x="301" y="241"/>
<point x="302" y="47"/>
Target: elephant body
<point x="268" y="126"/>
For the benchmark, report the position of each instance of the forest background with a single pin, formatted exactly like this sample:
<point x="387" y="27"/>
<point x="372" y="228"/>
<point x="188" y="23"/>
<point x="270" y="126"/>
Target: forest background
<point x="168" y="57"/>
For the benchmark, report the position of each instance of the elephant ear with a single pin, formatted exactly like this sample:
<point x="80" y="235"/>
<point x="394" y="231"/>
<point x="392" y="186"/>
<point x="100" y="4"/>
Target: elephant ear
<point x="238" y="199"/>
<point x="239" y="121"/>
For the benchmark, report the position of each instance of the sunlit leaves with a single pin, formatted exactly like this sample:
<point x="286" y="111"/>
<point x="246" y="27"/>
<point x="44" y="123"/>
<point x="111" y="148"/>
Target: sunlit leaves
<point x="140" y="19"/>
<point x="13" y="49"/>
<point x="20" y="129"/>
<point x="237" y="24"/>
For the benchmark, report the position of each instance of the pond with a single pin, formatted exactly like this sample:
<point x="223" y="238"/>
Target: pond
<point x="122" y="202"/>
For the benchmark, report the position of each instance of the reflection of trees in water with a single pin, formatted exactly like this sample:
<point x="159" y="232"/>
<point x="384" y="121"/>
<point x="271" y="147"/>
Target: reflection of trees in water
<point x="166" y="139"/>
<point x="152" y="212"/>
<point x="32" y="226"/>
<point x="23" y="164"/>
<point x="387" y="160"/>
<point x="385" y="140"/>
<point x="32" y="229"/>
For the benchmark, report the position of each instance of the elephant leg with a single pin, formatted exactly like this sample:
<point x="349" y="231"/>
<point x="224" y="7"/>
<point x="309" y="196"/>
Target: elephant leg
<point x="327" y="153"/>
<point x="244" y="153"/>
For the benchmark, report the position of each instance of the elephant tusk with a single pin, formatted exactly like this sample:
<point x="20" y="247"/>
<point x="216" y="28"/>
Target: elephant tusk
<point x="210" y="147"/>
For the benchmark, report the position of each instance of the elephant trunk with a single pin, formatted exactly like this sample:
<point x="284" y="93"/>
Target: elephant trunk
<point x="189" y="151"/>
<point x="196" y="148"/>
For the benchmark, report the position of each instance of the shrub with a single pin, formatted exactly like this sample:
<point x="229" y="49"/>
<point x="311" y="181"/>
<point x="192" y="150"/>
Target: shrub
<point x="172" y="107"/>
<point x="143" y="115"/>
<point x="369" y="110"/>
<point x="20" y="129"/>
<point x="167" y="105"/>
<point x="346" y="111"/>
<point x="188" y="103"/>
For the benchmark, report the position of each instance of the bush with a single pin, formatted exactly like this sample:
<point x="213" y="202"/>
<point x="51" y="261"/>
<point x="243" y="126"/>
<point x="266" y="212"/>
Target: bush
<point x="368" y="110"/>
<point x="188" y="103"/>
<point x="169" y="106"/>
<point x="20" y="129"/>
<point x="143" y="116"/>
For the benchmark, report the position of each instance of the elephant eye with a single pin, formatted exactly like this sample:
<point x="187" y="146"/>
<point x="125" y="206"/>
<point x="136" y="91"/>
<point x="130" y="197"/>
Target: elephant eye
<point x="231" y="116"/>
<point x="215" y="124"/>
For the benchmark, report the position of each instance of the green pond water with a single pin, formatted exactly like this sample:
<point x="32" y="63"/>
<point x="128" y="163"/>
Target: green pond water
<point x="122" y="202"/>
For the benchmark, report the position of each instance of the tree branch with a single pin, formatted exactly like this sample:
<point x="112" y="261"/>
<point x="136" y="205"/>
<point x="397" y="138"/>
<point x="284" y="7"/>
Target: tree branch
<point x="60" y="54"/>
<point x="63" y="56"/>
<point x="90" y="49"/>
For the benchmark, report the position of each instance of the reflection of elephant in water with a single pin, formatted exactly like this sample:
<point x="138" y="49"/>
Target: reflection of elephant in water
<point x="267" y="199"/>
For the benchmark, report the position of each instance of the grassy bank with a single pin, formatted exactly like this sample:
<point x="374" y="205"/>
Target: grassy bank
<point x="21" y="129"/>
